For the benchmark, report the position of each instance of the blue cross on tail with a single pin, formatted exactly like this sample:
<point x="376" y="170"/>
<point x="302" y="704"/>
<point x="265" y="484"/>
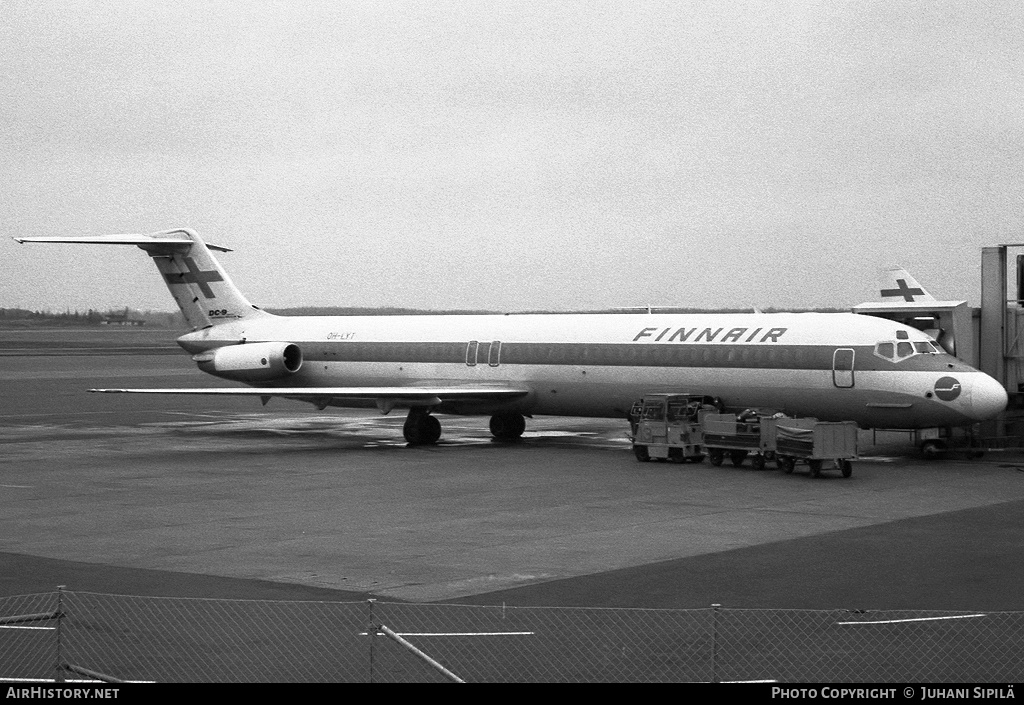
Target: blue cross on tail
<point x="905" y="291"/>
<point x="194" y="275"/>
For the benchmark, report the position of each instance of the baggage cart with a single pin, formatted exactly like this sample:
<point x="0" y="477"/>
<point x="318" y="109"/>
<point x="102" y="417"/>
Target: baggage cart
<point x="821" y="444"/>
<point x="737" y="437"/>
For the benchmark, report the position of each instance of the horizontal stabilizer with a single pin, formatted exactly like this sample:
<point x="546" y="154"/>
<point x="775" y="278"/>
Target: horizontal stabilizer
<point x="194" y="277"/>
<point x="177" y="242"/>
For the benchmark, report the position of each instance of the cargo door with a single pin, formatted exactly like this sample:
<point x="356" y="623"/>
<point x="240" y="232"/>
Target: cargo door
<point x="842" y="367"/>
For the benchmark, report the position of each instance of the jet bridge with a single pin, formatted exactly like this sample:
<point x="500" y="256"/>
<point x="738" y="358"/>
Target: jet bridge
<point x="1001" y="332"/>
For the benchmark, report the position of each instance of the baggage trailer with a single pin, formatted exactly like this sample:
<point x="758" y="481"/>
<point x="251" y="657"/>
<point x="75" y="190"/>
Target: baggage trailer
<point x="821" y="444"/>
<point x="666" y="427"/>
<point x="737" y="437"/>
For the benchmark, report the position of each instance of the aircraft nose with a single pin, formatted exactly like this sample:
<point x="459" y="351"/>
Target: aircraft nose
<point x="988" y="397"/>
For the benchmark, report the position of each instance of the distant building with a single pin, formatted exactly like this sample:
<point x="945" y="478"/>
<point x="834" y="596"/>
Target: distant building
<point x="120" y="318"/>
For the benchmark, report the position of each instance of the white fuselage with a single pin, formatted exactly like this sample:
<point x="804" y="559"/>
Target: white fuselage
<point x="833" y="366"/>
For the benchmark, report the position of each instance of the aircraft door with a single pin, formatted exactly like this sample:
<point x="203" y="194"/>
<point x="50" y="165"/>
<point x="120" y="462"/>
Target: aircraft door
<point x="842" y="367"/>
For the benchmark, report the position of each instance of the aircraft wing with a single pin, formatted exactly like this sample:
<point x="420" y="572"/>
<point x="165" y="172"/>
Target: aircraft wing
<point x="386" y="398"/>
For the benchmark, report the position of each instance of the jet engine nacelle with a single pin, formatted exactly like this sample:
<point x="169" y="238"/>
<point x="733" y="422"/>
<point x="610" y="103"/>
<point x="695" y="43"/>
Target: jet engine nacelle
<point x="251" y="362"/>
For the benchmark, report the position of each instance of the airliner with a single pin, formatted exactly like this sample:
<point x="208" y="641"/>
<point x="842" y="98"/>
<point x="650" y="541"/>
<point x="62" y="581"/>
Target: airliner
<point x="832" y="366"/>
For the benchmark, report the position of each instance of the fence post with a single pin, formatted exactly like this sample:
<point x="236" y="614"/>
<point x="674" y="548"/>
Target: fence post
<point x="372" y="630"/>
<point x="714" y="642"/>
<point x="59" y="666"/>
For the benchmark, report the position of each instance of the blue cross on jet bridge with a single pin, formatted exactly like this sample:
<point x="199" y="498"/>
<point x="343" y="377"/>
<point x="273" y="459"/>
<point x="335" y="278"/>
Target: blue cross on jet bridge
<point x="905" y="291"/>
<point x="194" y="275"/>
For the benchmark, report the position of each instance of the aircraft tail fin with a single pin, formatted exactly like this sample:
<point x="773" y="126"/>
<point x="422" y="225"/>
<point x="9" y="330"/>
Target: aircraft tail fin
<point x="200" y="286"/>
<point x="899" y="286"/>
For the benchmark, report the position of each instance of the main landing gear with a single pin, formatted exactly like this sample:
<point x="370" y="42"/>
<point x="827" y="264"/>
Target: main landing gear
<point x="422" y="429"/>
<point x="507" y="427"/>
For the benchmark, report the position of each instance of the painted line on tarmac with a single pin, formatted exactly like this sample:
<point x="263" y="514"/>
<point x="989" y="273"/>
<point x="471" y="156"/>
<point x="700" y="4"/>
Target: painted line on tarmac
<point x="919" y="619"/>
<point x="63" y="414"/>
<point x="765" y="680"/>
<point x="455" y="633"/>
<point x="12" y="626"/>
<point x="8" y="679"/>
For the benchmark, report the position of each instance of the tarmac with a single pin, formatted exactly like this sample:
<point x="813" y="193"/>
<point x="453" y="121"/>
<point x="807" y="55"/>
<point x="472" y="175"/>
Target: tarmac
<point x="199" y="497"/>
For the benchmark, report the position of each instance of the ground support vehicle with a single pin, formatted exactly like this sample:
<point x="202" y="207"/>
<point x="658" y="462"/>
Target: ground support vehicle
<point x="822" y="445"/>
<point x="667" y="427"/>
<point x="737" y="437"/>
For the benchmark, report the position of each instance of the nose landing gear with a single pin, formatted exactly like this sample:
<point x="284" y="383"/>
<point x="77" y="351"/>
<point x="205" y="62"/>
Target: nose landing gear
<point x="934" y="448"/>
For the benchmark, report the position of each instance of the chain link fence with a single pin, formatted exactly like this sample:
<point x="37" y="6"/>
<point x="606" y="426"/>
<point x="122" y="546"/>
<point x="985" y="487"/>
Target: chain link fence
<point x="68" y="635"/>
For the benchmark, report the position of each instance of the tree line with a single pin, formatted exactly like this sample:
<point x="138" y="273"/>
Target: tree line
<point x="92" y="317"/>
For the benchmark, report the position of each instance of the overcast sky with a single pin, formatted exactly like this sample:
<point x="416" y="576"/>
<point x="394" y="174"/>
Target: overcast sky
<point x="512" y="155"/>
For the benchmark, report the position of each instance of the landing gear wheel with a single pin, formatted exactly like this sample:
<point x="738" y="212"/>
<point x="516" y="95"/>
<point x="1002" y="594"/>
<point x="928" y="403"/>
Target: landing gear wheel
<point x="716" y="456"/>
<point x="846" y="467"/>
<point x="815" y="467"/>
<point x="785" y="463"/>
<point x="641" y="454"/>
<point x="507" y="427"/>
<point x="933" y="449"/>
<point x="737" y="457"/>
<point x="421" y="429"/>
<point x="757" y="462"/>
<point x="431" y="430"/>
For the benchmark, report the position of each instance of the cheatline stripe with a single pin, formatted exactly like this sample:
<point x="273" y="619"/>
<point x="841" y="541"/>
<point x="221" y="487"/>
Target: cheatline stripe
<point x="695" y="355"/>
<point x="768" y="355"/>
<point x="918" y="619"/>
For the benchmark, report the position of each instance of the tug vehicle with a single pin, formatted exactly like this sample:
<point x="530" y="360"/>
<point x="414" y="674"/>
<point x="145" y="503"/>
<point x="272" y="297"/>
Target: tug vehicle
<point x="668" y="426"/>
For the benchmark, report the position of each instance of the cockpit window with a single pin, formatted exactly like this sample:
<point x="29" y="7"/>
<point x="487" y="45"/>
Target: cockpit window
<point x="898" y="350"/>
